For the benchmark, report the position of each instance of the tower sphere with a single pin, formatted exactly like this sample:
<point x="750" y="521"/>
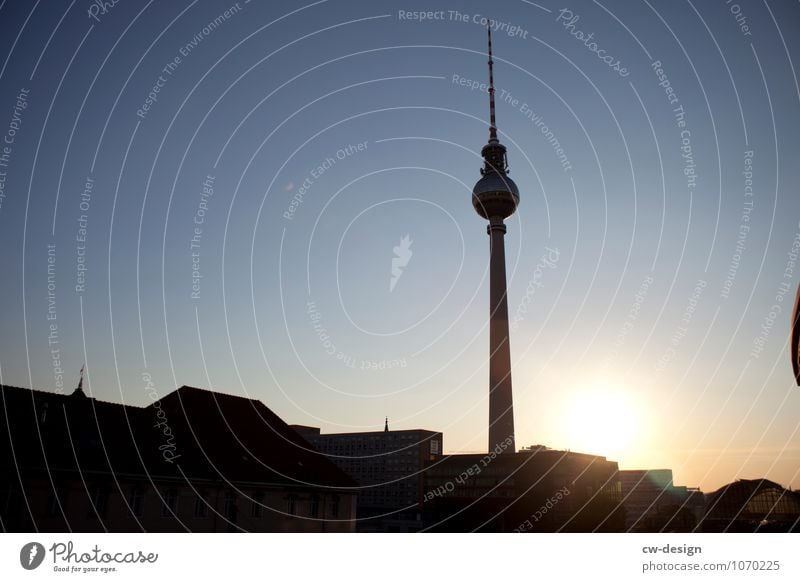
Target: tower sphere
<point x="495" y="196"/>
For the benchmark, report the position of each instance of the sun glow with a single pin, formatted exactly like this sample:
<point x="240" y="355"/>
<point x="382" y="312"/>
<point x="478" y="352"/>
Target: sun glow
<point x="603" y="419"/>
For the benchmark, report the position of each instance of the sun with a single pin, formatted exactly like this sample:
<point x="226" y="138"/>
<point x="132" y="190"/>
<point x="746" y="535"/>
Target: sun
<point x="602" y="419"/>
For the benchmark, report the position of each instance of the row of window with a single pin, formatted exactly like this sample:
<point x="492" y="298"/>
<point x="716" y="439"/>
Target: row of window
<point x="57" y="503"/>
<point x="382" y="450"/>
<point x="135" y="499"/>
<point x="313" y="505"/>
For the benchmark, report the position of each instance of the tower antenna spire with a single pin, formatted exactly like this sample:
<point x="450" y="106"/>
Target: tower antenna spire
<point x="492" y="120"/>
<point x="494" y="153"/>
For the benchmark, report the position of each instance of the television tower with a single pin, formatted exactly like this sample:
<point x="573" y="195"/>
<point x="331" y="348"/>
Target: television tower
<point x="794" y="346"/>
<point x="495" y="197"/>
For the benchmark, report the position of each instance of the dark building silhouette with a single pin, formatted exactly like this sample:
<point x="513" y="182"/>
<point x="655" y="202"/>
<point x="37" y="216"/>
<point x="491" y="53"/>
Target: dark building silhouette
<point x="194" y="460"/>
<point x="534" y="490"/>
<point x="654" y="504"/>
<point x="388" y="465"/>
<point x="752" y="505"/>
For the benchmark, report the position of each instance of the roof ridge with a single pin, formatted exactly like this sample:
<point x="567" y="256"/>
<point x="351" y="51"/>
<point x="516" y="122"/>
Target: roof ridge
<point x="68" y="397"/>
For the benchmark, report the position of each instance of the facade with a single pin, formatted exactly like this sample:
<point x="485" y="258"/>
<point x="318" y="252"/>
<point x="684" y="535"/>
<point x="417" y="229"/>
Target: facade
<point x="534" y="490"/>
<point x="388" y="467"/>
<point x="752" y="505"/>
<point x="194" y="460"/>
<point x="654" y="504"/>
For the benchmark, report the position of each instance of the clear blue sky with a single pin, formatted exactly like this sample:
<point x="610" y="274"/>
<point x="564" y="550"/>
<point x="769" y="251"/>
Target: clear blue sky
<point x="643" y="262"/>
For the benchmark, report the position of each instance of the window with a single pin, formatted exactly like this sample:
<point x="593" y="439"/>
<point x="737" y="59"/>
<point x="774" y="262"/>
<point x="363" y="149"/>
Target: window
<point x="292" y="505"/>
<point x="315" y="505"/>
<point x="5" y="496"/>
<point x="57" y="501"/>
<point x="335" y="506"/>
<point x="256" y="504"/>
<point x="200" y="504"/>
<point x="98" y="503"/>
<point x="53" y="505"/>
<point x="136" y="501"/>
<point x="169" y="507"/>
<point x="230" y="506"/>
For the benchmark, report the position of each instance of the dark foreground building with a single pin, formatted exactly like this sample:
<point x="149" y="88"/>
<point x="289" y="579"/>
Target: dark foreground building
<point x="653" y="503"/>
<point x="194" y="460"/>
<point x="756" y="505"/>
<point x="534" y="490"/>
<point x="388" y="465"/>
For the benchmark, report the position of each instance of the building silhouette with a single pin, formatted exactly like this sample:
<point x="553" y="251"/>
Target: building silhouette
<point x="388" y="466"/>
<point x="752" y="505"/>
<point x="535" y="490"/>
<point x="654" y="504"/>
<point x="194" y="460"/>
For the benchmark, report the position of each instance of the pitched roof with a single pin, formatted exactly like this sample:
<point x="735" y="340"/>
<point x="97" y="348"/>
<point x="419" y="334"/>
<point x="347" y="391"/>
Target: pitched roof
<point x="64" y="433"/>
<point x="242" y="439"/>
<point x="190" y="433"/>
<point x="743" y="489"/>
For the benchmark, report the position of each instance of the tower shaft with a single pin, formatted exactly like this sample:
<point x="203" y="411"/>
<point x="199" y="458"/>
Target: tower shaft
<point x="495" y="198"/>
<point x="501" y="404"/>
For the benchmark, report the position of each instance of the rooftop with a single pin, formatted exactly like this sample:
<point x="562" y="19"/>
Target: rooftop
<point x="191" y="433"/>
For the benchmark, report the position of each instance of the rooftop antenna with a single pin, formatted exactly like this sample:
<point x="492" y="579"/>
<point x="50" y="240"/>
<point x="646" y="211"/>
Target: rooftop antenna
<point x="79" y="390"/>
